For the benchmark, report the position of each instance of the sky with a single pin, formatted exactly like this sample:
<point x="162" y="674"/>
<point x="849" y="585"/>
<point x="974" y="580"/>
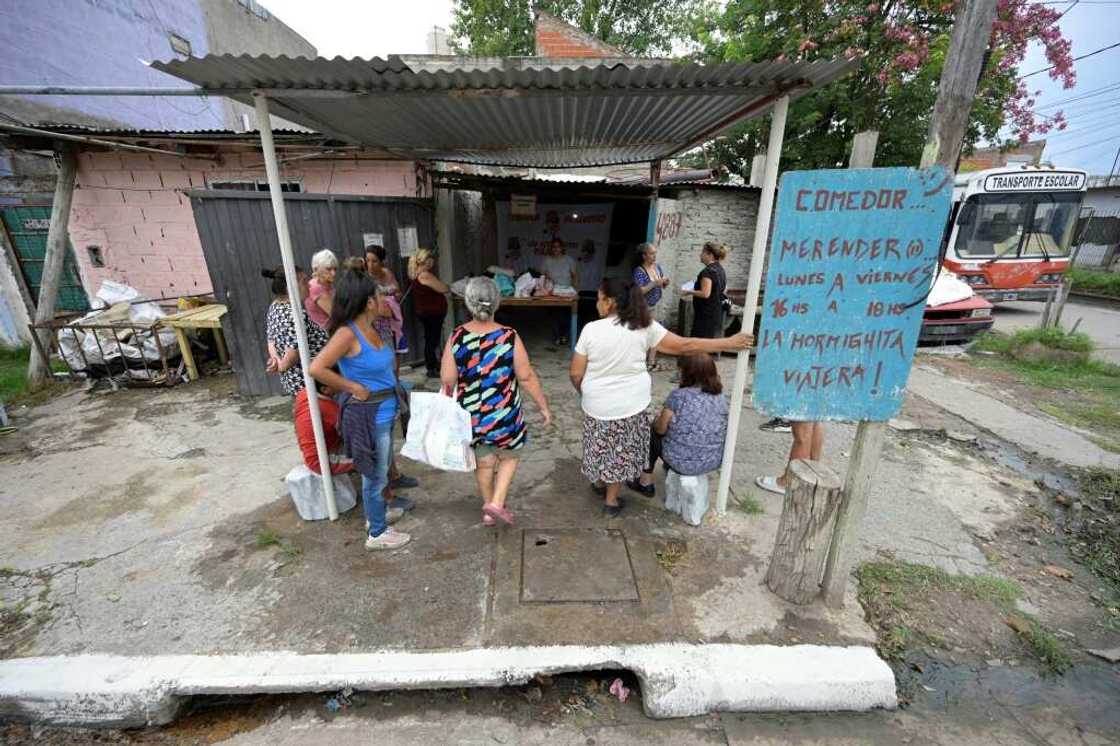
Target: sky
<point x="1093" y="136"/>
<point x="363" y="28"/>
<point x="372" y="28"/>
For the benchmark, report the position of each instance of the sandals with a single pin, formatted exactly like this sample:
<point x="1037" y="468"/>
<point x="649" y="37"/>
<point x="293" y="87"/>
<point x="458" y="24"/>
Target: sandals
<point x="501" y="514"/>
<point x="488" y="521"/>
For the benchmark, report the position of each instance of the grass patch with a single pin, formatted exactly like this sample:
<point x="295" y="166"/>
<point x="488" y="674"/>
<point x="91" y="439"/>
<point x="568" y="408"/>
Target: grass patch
<point x="13" y="378"/>
<point x="1095" y="281"/>
<point x="895" y="642"/>
<point x="748" y="505"/>
<point x="1047" y="648"/>
<point x="1097" y="541"/>
<point x="904" y="582"/>
<point x="1093" y="386"/>
<point x="673" y="554"/>
<point x="291" y="552"/>
<point x="267" y="538"/>
<point x="13" y="373"/>
<point x="898" y="596"/>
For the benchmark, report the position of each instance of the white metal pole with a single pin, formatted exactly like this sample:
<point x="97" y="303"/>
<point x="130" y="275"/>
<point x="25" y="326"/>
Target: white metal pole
<point x="754" y="285"/>
<point x="271" y="168"/>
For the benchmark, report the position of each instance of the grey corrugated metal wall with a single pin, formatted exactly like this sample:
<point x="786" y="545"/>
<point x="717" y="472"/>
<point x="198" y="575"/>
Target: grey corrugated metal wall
<point x="239" y="239"/>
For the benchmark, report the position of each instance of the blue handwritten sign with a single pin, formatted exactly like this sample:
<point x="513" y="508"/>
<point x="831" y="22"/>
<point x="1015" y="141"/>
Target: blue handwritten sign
<point x="852" y="258"/>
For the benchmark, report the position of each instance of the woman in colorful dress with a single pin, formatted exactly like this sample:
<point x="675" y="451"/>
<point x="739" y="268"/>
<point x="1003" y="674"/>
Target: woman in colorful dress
<point x="609" y="371"/>
<point x="651" y="279"/>
<point x="485" y="366"/>
<point x="280" y="331"/>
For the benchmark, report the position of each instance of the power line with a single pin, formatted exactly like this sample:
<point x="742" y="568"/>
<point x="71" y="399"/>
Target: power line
<point x="1106" y="141"/>
<point x="1075" y="59"/>
<point x="1082" y="96"/>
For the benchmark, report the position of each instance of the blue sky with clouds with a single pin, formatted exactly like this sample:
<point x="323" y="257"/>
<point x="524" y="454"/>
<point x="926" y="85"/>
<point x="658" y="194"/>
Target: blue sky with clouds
<point x="1093" y="135"/>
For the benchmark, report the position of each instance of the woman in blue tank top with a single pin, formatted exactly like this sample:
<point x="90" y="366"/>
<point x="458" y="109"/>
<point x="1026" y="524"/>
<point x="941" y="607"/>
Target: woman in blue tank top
<point x="367" y="376"/>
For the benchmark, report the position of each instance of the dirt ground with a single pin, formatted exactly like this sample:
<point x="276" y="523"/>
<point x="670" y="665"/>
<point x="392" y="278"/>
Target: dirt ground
<point x="155" y="521"/>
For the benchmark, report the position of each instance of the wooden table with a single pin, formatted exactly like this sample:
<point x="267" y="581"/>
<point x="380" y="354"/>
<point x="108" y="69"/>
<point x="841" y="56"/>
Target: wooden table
<point x="538" y="301"/>
<point x="203" y="317"/>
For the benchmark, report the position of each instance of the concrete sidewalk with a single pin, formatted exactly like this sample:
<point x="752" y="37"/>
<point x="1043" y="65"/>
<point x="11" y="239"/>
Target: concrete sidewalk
<point x="1031" y="433"/>
<point x="153" y="523"/>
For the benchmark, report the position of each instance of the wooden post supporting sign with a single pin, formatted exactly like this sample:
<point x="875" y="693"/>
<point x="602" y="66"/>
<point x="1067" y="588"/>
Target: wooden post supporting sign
<point x="804" y="532"/>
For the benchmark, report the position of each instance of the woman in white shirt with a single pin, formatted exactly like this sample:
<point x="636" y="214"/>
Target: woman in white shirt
<point x="609" y="371"/>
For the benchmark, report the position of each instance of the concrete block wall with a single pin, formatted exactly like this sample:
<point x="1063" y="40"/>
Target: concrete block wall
<point x="133" y="206"/>
<point x="695" y="216"/>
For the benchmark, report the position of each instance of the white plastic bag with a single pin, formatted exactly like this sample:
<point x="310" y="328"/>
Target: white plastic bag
<point x="439" y="433"/>
<point x="687" y="496"/>
<point x="524" y="286"/>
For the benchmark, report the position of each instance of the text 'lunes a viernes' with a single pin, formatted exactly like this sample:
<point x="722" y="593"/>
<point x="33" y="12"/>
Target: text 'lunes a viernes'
<point x="853" y="255"/>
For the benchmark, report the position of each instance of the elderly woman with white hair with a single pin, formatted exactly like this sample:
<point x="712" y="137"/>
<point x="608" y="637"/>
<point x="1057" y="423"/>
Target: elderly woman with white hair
<point x="320" y="293"/>
<point x="485" y="367"/>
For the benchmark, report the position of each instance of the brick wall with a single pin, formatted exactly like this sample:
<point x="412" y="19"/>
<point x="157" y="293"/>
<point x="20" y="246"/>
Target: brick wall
<point x="555" y="38"/>
<point x="133" y="206"/>
<point x="685" y="223"/>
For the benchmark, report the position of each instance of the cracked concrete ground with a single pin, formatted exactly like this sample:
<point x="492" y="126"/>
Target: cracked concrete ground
<point x="159" y="518"/>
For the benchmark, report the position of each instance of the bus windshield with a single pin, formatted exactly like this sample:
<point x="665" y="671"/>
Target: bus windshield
<point x="1024" y="225"/>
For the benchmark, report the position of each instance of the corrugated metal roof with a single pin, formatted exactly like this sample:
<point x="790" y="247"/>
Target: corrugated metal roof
<point x="141" y="133"/>
<point x="527" y="113"/>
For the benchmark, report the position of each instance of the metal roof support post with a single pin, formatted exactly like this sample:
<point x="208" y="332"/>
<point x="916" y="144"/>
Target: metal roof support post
<point x="272" y="169"/>
<point x="754" y="285"/>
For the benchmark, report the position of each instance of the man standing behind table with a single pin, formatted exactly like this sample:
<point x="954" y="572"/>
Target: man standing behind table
<point x="559" y="267"/>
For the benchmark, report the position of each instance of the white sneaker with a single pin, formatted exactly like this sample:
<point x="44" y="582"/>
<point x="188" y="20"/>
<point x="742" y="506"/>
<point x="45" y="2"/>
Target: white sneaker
<point x="392" y="515"/>
<point x="389" y="539"/>
<point x="770" y="484"/>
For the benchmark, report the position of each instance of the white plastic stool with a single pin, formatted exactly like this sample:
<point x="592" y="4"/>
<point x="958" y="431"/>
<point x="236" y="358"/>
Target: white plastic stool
<point x="306" y="489"/>
<point x="687" y="496"/>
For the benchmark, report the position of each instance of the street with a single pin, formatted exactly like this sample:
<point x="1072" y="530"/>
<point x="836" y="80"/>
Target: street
<point x="1098" y="320"/>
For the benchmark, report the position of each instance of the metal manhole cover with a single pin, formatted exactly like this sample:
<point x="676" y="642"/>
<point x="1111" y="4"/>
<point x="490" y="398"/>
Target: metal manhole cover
<point x="576" y="565"/>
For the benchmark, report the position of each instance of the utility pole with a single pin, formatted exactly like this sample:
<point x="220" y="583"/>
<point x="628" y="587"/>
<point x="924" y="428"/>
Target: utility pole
<point x="968" y="43"/>
<point x="54" y="259"/>
<point x="972" y="31"/>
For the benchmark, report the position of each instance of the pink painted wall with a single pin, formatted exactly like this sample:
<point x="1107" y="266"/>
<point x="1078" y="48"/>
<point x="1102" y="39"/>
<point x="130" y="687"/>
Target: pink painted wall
<point x="132" y="205"/>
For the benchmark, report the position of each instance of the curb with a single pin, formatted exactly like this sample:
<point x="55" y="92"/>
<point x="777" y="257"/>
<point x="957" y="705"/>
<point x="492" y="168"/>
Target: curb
<point x="677" y="680"/>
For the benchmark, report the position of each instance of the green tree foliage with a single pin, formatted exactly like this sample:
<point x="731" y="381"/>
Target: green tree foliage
<point x="900" y="48"/>
<point x="504" y="28"/>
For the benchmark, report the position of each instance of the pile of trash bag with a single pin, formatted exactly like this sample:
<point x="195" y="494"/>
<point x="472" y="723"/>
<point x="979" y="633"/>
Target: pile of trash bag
<point x="127" y="346"/>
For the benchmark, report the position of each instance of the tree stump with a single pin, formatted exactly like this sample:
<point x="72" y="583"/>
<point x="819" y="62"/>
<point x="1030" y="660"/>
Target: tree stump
<point x="805" y="532"/>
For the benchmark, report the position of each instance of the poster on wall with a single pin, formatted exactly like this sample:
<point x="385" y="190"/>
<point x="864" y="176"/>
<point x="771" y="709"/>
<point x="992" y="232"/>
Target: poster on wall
<point x="523" y="240"/>
<point x="407" y="241"/>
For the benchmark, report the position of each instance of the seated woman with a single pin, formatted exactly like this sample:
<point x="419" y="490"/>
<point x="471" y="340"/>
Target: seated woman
<point x="688" y="435"/>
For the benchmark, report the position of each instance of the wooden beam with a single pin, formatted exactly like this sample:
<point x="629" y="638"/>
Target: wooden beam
<point x="857" y="484"/>
<point x="55" y="259"/>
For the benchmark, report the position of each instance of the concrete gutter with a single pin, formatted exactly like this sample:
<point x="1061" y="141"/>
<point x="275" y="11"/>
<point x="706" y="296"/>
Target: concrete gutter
<point x="677" y="680"/>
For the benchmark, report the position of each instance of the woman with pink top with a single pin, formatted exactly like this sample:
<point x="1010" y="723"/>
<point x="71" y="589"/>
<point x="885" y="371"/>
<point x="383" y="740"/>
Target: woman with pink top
<point x="391" y="292"/>
<point x="320" y="295"/>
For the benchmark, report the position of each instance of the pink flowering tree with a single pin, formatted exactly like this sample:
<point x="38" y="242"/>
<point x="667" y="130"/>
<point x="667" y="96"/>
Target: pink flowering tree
<point x="900" y="46"/>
